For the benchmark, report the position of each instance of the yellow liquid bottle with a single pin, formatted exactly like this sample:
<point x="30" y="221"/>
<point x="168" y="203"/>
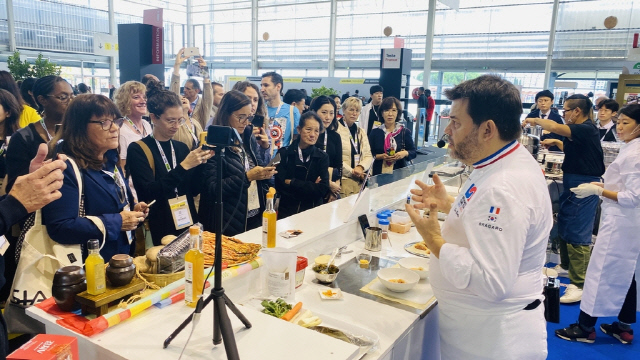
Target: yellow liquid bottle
<point x="194" y="269"/>
<point x="269" y="218"/>
<point x="94" y="268"/>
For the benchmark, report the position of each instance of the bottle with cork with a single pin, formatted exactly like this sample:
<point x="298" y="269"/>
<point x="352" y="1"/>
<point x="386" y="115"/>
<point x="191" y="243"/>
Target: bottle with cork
<point x="194" y="269"/>
<point x="94" y="268"/>
<point x="269" y="219"/>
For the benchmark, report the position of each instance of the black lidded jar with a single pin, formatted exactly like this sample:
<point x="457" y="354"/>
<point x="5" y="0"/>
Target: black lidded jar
<point x="67" y="282"/>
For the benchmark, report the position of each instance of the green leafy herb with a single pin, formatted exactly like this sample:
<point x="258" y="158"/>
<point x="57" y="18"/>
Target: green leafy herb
<point x="275" y="308"/>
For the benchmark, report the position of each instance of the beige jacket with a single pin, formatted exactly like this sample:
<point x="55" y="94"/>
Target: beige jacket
<point x="366" y="159"/>
<point x="184" y="135"/>
<point x="203" y="107"/>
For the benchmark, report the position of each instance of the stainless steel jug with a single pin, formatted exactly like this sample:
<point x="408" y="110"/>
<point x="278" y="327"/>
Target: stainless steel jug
<point x="373" y="239"/>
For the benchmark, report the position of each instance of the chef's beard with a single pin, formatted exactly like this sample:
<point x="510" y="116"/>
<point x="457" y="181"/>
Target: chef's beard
<point x="465" y="149"/>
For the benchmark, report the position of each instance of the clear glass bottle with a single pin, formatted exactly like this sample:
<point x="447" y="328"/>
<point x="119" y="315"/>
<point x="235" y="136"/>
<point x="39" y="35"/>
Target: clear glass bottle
<point x="194" y="269"/>
<point x="269" y="218"/>
<point x="94" y="268"/>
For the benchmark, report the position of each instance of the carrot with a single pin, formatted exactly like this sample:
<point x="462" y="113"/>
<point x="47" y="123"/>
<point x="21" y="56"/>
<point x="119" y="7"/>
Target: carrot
<point x="291" y="313"/>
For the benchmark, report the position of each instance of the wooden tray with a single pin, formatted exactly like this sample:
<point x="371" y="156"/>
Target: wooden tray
<point x="99" y="304"/>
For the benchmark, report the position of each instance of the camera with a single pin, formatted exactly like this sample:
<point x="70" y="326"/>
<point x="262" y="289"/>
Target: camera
<point x="220" y="136"/>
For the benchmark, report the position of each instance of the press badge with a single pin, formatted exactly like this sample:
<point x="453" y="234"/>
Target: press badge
<point x="180" y="212"/>
<point x="254" y="202"/>
<point x="356" y="159"/>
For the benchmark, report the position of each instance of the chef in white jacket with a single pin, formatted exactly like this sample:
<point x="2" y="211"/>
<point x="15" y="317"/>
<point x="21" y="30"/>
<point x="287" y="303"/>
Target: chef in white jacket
<point x="486" y="271"/>
<point x="610" y="285"/>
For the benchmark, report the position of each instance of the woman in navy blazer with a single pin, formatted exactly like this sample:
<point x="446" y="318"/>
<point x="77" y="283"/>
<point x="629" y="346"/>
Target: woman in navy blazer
<point x="90" y="136"/>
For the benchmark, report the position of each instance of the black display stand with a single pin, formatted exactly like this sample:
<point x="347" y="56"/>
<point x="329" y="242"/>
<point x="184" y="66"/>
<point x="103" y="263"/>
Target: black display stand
<point x="222" y="329"/>
<point x="395" y="72"/>
<point x="135" y="42"/>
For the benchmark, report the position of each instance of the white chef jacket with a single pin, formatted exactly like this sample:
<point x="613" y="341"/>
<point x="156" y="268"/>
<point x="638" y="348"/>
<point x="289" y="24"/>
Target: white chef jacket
<point x="623" y="176"/>
<point x="491" y="265"/>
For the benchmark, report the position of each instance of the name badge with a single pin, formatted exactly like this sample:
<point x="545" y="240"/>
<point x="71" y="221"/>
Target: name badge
<point x="254" y="202"/>
<point x="180" y="212"/>
<point x="377" y="123"/>
<point x="356" y="159"/>
<point x="4" y="245"/>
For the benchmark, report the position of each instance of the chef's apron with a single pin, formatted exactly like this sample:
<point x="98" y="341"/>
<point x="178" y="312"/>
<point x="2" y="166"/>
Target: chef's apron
<point x="576" y="216"/>
<point x="613" y="262"/>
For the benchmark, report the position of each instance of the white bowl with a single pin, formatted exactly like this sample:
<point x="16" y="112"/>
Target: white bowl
<point x="412" y="263"/>
<point x="410" y="279"/>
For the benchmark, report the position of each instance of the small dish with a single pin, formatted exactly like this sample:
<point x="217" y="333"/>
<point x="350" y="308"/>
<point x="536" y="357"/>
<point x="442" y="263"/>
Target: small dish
<point x="419" y="265"/>
<point x="330" y="294"/>
<point x="364" y="260"/>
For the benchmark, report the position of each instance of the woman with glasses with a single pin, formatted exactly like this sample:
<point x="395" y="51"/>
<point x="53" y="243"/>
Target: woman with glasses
<point x="53" y="94"/>
<point x="189" y="132"/>
<point x="89" y="136"/>
<point x="329" y="141"/>
<point x="168" y="178"/>
<point x="583" y="163"/>
<point x="303" y="174"/>
<point x="131" y="100"/>
<point x="258" y="108"/>
<point x="356" y="153"/>
<point x="244" y="171"/>
<point x="391" y="144"/>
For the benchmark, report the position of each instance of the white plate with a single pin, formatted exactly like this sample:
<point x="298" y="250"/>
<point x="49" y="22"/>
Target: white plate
<point x="409" y="249"/>
<point x="336" y="294"/>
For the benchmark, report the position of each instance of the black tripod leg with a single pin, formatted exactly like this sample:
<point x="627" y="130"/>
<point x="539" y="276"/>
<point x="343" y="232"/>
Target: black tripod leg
<point x="236" y="311"/>
<point x="217" y="336"/>
<point x="227" y="331"/>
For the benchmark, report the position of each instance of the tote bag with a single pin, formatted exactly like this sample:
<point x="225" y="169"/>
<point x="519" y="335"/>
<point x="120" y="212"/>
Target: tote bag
<point x="40" y="257"/>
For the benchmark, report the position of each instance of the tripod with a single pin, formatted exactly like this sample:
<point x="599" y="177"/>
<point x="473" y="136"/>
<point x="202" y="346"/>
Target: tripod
<point x="222" y="330"/>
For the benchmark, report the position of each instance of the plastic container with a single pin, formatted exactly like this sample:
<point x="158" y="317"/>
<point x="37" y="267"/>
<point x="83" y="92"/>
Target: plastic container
<point x="400" y="217"/>
<point x="384" y="225"/>
<point x="381" y="216"/>
<point x="301" y="265"/>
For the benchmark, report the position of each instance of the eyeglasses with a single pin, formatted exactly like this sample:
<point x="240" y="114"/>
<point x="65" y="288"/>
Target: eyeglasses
<point x="63" y="98"/>
<point x="243" y="118"/>
<point x="567" y="110"/>
<point x="106" y="124"/>
<point x="180" y="121"/>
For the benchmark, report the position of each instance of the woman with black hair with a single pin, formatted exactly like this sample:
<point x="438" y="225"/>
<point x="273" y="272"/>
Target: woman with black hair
<point x="258" y="108"/>
<point x="53" y="94"/>
<point x="392" y="145"/>
<point x="244" y="171"/>
<point x="329" y="141"/>
<point x="583" y="163"/>
<point x="26" y="90"/>
<point x="303" y="173"/>
<point x="163" y="169"/>
<point x="9" y="116"/>
<point x="28" y="114"/>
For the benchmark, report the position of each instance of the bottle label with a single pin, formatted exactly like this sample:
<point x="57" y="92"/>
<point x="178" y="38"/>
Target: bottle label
<point x="188" y="279"/>
<point x="98" y="270"/>
<point x="265" y="227"/>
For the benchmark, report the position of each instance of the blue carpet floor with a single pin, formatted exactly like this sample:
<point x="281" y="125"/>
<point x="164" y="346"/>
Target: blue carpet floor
<point x="605" y="346"/>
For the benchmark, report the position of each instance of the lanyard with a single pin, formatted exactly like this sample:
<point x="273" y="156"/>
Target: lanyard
<point x="45" y="129"/>
<point x="277" y="111"/>
<point x="166" y="162"/>
<point x="373" y="107"/>
<point x="192" y="132"/>
<point x="353" y="142"/>
<point x="300" y="156"/>
<point x="325" y="141"/>
<point x="117" y="178"/>
<point x="141" y="133"/>
<point x="3" y="148"/>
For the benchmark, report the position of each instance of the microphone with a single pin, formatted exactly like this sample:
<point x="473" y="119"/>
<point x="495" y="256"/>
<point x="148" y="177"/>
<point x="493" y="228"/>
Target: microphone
<point x="443" y="141"/>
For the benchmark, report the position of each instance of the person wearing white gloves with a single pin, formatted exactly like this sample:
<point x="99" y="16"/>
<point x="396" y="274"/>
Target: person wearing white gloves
<point x="486" y="263"/>
<point x="610" y="285"/>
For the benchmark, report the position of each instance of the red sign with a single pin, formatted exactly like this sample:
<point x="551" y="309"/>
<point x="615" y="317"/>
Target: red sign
<point x="398" y="42"/>
<point x="152" y="17"/>
<point x="157" y="56"/>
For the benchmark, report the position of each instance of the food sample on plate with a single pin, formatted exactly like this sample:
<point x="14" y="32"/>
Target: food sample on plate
<point x="234" y="251"/>
<point x="320" y="267"/>
<point x="306" y="319"/>
<point x="329" y="293"/>
<point x="420" y="248"/>
<point x="398" y="281"/>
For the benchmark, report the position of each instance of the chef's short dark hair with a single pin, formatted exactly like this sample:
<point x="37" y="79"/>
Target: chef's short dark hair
<point x="491" y="97"/>
<point x="609" y="104"/>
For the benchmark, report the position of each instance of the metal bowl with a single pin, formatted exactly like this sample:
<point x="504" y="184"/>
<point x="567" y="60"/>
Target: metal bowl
<point x="326" y="278"/>
<point x="121" y="261"/>
<point x="120" y="276"/>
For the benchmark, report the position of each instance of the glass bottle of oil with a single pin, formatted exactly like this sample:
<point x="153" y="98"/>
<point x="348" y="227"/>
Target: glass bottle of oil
<point x="94" y="268"/>
<point x="269" y="219"/>
<point x="194" y="269"/>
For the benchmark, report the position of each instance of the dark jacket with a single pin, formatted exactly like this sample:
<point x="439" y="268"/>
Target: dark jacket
<point x="404" y="141"/>
<point x="303" y="193"/>
<point x="161" y="186"/>
<point x="11" y="212"/>
<point x="555" y="116"/>
<point x="235" y="186"/>
<point x="334" y="151"/>
<point x="23" y="147"/>
<point x="100" y="200"/>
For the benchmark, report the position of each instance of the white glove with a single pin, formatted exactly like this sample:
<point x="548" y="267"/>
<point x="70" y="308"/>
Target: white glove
<point x="585" y="190"/>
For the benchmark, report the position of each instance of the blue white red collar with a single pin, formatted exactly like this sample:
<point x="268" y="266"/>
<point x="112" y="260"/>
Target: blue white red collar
<point x="506" y="150"/>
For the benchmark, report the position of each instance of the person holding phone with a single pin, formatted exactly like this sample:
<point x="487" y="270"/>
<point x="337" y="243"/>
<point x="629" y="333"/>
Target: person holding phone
<point x="171" y="179"/>
<point x="199" y="108"/>
<point x="259" y="113"/>
<point x="244" y="171"/>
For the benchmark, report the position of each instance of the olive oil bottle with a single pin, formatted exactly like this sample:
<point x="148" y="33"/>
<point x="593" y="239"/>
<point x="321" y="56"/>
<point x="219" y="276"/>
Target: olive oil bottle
<point x="194" y="269"/>
<point x="269" y="218"/>
<point x="94" y="268"/>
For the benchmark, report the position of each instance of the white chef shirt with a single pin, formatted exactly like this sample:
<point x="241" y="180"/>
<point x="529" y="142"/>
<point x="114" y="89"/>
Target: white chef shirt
<point x="623" y="176"/>
<point x="496" y="237"/>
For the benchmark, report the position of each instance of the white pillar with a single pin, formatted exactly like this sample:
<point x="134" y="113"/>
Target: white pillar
<point x="113" y="80"/>
<point x="428" y="49"/>
<point x="254" y="37"/>
<point x="552" y="38"/>
<point x="11" y="24"/>
<point x="190" y="42"/>
<point x="332" y="38"/>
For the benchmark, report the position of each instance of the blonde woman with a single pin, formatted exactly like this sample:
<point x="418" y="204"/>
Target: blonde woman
<point x="356" y="153"/>
<point x="131" y="100"/>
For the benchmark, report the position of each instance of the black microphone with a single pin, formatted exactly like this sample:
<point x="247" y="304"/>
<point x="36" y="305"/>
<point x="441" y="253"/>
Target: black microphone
<point x="443" y="141"/>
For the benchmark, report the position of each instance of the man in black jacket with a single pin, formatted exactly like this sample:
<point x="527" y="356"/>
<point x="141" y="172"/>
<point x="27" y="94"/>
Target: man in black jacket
<point x="544" y="110"/>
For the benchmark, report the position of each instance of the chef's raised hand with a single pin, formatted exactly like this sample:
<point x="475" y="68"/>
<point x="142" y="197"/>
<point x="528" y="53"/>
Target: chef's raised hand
<point x="428" y="227"/>
<point x="585" y="190"/>
<point x="435" y="193"/>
